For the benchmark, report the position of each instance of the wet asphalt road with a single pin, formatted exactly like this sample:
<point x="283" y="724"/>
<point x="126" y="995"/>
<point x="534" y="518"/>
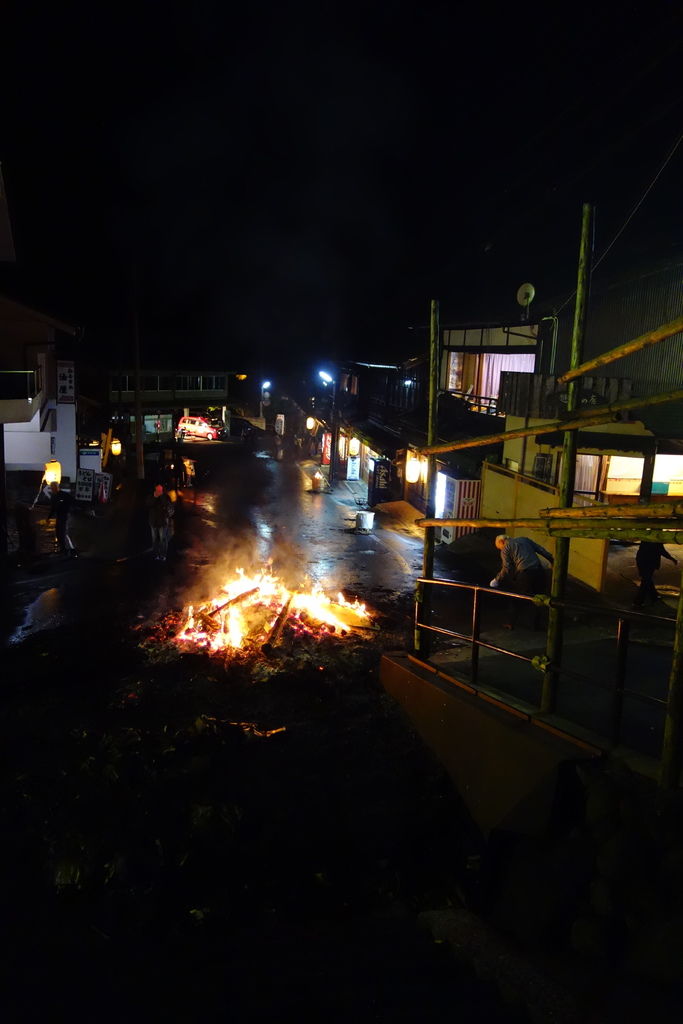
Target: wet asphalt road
<point x="81" y="707"/>
<point x="246" y="510"/>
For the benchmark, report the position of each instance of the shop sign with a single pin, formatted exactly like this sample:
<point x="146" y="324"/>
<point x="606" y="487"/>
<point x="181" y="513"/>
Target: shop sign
<point x="85" y="482"/>
<point x="66" y="383"/>
<point x="90" y="458"/>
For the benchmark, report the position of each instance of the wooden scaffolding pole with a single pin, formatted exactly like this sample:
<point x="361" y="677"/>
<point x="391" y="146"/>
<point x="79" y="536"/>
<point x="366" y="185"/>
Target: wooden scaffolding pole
<point x="567" y="470"/>
<point x="591" y="418"/>
<point x="662" y="532"/>
<point x="651" y="338"/>
<point x="423" y="637"/>
<point x="659" y="511"/>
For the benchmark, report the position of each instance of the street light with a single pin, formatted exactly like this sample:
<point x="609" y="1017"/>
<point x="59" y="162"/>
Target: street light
<point x="327" y="379"/>
<point x="265" y="396"/>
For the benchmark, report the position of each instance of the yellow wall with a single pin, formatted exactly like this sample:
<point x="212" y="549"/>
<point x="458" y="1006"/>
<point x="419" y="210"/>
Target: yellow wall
<point x="520" y="449"/>
<point x="506" y="495"/>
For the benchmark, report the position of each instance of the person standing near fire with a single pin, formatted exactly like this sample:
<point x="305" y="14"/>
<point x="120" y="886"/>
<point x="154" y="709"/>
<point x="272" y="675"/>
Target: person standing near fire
<point x="60" y="508"/>
<point x="160" y="516"/>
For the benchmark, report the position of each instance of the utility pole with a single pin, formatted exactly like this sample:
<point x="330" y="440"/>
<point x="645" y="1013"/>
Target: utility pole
<point x="334" y="442"/>
<point x="139" y="447"/>
<point x="425" y="591"/>
<point x="568" y="469"/>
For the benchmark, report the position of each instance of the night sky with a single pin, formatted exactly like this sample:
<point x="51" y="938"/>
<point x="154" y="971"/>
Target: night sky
<point x="283" y="183"/>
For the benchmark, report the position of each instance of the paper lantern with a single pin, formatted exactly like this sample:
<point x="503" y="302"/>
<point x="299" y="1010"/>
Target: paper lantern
<point x="412" y="470"/>
<point x="53" y="472"/>
<point x="354" y="447"/>
<point x="310" y="423"/>
<point x="116" y="447"/>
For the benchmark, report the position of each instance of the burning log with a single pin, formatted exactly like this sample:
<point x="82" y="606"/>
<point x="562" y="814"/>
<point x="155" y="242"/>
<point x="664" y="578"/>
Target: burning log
<point x="234" y="600"/>
<point x="276" y="632"/>
<point x="243" y="622"/>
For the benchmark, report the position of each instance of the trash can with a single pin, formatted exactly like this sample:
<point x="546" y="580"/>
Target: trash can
<point x="364" y="522"/>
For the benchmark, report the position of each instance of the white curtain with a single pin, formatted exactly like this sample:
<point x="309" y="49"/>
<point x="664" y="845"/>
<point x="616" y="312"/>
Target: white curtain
<point x="492" y="365"/>
<point x="586" y="478"/>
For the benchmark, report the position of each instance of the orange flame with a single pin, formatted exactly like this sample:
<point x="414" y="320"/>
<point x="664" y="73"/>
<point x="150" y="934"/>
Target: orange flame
<point x="247" y="610"/>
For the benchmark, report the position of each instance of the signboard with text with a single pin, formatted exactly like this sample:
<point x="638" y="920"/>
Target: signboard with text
<point x="90" y="458"/>
<point x="380" y="482"/>
<point x="353" y="467"/>
<point x="85" y="481"/>
<point x="66" y="383"/>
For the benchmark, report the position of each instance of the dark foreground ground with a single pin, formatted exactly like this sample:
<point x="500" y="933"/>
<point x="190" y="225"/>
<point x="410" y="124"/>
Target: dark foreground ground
<point x="187" y="838"/>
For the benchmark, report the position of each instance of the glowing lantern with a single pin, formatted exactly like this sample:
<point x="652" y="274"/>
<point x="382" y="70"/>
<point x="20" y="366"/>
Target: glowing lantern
<point x="310" y="423"/>
<point x="412" y="470"/>
<point x="53" y="472"/>
<point x="354" y="447"/>
<point x="116" y="447"/>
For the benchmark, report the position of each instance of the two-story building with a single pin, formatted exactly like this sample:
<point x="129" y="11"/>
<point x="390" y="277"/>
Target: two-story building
<point x="623" y="462"/>
<point x="37" y="390"/>
<point x="383" y="416"/>
<point x="166" y="395"/>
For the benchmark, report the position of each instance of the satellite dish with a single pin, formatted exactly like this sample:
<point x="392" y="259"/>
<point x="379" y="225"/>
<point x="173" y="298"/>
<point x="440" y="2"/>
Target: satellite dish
<point x="525" y="295"/>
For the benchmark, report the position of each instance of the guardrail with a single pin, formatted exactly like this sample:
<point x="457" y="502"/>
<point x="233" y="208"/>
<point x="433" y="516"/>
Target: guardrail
<point x="616" y="685"/>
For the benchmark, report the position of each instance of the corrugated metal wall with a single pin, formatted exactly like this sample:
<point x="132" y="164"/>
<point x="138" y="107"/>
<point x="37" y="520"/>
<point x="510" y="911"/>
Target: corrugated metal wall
<point x="620" y="312"/>
<point x="623" y="311"/>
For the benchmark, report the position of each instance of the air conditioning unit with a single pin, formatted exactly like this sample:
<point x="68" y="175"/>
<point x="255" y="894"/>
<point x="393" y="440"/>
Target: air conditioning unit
<point x="447" y="534"/>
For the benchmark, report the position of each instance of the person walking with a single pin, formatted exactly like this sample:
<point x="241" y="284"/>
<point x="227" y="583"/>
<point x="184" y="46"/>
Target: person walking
<point x="160" y="515"/>
<point x="521" y="571"/>
<point x="648" y="560"/>
<point x="60" y="508"/>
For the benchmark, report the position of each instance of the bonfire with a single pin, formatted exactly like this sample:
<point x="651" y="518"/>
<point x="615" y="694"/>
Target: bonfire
<point x="254" y="613"/>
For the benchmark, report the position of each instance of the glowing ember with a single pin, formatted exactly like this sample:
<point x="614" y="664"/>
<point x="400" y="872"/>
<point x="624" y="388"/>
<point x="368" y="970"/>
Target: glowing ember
<point x="252" y="612"/>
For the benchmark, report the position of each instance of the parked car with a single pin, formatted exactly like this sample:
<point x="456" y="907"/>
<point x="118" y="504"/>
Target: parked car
<point x="240" y="427"/>
<point x="198" y="427"/>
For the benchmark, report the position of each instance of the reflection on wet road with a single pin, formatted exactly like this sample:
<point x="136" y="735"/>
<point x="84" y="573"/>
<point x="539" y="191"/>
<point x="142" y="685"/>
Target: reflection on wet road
<point x="249" y="512"/>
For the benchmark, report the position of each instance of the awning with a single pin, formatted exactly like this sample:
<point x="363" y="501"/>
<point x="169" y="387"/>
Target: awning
<point x="381" y="441"/>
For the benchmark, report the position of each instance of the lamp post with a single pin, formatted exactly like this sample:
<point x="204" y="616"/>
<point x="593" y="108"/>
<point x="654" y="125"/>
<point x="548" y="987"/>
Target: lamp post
<point x="334" y="428"/>
<point x="265" y="396"/>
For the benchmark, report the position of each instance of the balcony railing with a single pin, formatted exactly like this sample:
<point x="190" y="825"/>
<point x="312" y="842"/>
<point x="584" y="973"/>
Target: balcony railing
<point x="17" y="385"/>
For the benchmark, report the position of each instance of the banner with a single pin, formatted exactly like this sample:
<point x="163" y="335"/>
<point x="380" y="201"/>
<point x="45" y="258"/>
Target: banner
<point x="327" y="449"/>
<point x="102" y="489"/>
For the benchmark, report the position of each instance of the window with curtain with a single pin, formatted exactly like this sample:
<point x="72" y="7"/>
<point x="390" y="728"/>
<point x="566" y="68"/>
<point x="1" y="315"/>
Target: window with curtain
<point x="492" y="365"/>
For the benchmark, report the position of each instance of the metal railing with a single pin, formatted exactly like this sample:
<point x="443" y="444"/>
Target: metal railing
<point x="17" y="385"/>
<point x="616" y="685"/>
<point x="479" y="403"/>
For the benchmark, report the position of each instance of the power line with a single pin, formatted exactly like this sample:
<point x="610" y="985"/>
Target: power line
<point x="641" y="200"/>
<point x="632" y="213"/>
